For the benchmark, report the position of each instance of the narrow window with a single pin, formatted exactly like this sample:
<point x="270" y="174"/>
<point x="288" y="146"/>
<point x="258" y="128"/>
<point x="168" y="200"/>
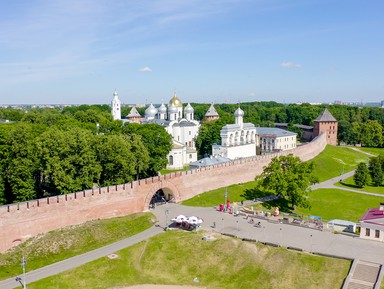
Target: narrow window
<point x="367" y="232"/>
<point x="377" y="233"/>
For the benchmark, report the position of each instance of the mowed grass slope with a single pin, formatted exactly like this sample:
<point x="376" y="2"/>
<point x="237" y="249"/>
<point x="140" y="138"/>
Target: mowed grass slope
<point x="328" y="164"/>
<point x="334" y="160"/>
<point x="67" y="242"/>
<point x="216" y="197"/>
<point x="177" y="257"/>
<point x="350" y="184"/>
<point x="339" y="204"/>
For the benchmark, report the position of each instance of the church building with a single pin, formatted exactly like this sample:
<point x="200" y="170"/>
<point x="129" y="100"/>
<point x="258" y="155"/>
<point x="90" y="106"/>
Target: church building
<point x="116" y="106"/>
<point x="179" y="122"/>
<point x="241" y="140"/>
<point x="238" y="140"/>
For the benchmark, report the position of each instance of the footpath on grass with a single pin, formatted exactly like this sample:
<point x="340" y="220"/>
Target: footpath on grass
<point x="275" y="234"/>
<point x="330" y="184"/>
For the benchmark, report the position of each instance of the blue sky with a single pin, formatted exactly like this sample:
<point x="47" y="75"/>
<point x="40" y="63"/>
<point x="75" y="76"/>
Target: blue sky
<point x="71" y="51"/>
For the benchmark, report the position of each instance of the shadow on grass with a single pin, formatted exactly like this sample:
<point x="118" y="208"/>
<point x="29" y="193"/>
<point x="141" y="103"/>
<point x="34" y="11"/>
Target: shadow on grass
<point x="252" y="194"/>
<point x="352" y="186"/>
<point x="281" y="203"/>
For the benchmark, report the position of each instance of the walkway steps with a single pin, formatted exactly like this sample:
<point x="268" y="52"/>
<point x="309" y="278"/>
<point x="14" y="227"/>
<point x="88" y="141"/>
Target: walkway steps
<point x="363" y="275"/>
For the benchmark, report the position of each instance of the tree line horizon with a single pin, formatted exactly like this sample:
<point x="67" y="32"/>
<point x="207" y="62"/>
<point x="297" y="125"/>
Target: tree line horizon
<point x="52" y="151"/>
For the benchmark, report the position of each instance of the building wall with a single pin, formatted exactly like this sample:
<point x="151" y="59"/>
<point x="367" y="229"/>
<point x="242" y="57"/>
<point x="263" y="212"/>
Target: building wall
<point x="23" y="220"/>
<point x="286" y="142"/>
<point x="329" y="128"/>
<point x="372" y="232"/>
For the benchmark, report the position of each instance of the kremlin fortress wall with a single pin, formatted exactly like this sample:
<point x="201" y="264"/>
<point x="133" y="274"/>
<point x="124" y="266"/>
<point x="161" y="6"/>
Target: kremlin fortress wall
<point x="27" y="219"/>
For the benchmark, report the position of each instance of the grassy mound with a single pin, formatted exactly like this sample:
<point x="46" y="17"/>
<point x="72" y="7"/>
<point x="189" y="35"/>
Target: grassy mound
<point x="176" y="257"/>
<point x="70" y="241"/>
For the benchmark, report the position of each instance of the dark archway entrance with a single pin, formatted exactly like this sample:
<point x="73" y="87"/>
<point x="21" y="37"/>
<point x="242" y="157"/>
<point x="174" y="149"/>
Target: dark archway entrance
<point x="161" y="197"/>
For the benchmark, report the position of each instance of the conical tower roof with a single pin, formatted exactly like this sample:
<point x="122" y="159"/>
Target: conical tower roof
<point x="133" y="113"/>
<point x="211" y="111"/>
<point x="325" y="116"/>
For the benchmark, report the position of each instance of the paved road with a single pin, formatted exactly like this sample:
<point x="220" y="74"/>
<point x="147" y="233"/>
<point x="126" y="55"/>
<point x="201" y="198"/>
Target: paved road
<point x="309" y="240"/>
<point x="79" y="260"/>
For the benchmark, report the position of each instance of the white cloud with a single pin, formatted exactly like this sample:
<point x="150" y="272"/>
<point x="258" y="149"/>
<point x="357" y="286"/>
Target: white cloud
<point x="145" y="69"/>
<point x="290" y="64"/>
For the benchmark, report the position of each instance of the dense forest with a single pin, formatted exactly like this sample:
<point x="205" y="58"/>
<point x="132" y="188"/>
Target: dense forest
<point x="47" y="152"/>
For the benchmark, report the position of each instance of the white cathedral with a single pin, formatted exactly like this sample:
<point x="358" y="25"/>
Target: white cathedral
<point x="178" y="122"/>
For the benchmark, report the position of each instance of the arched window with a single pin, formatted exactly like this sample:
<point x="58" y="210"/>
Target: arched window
<point x="171" y="160"/>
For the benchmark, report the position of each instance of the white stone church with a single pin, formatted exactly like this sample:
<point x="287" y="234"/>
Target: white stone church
<point x="240" y="140"/>
<point x="178" y="122"/>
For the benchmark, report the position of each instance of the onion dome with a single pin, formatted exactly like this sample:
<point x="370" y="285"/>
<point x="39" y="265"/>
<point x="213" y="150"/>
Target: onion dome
<point x="150" y="111"/>
<point x="162" y="108"/>
<point x="239" y="112"/>
<point x="175" y="101"/>
<point x="172" y="109"/>
<point x="188" y="109"/>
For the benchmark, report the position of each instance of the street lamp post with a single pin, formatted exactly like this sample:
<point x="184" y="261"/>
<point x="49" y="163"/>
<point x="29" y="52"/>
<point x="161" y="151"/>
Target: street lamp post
<point x="166" y="218"/>
<point x="310" y="243"/>
<point x="23" y="264"/>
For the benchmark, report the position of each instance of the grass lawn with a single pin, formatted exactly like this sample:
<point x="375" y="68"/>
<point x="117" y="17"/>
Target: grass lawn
<point x="67" y="242"/>
<point x="375" y="151"/>
<point x="216" y="197"/>
<point x="349" y="183"/>
<point x="335" y="160"/>
<point x="339" y="204"/>
<point x="176" y="257"/>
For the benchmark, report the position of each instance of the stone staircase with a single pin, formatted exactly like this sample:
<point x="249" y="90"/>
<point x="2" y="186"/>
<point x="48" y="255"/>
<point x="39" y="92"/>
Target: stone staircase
<point x="363" y="275"/>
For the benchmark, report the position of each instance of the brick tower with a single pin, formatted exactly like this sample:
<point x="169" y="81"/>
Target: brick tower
<point x="325" y="122"/>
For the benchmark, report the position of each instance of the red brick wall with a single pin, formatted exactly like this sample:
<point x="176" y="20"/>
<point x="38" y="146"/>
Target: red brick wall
<point x="28" y="219"/>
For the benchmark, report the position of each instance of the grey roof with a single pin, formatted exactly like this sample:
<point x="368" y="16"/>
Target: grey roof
<point x="302" y="126"/>
<point x="212" y="111"/>
<point x="230" y="127"/>
<point x="210" y="161"/>
<point x="134" y="113"/>
<point x="161" y="122"/>
<point x="184" y="124"/>
<point x="325" y="116"/>
<point x="341" y="222"/>
<point x="278" y="132"/>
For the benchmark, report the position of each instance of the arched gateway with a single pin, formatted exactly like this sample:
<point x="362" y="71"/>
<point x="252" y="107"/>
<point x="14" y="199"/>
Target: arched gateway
<point x="169" y="193"/>
<point x="23" y="220"/>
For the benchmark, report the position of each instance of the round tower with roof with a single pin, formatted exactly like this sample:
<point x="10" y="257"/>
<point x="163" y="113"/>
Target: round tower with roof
<point x="326" y="123"/>
<point x="116" y="107"/>
<point x="211" y="114"/>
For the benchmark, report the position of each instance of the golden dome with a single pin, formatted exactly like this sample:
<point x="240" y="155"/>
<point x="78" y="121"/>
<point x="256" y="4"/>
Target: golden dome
<point x="175" y="101"/>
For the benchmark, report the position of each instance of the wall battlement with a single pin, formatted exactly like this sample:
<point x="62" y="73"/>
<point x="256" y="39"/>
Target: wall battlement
<point x="22" y="220"/>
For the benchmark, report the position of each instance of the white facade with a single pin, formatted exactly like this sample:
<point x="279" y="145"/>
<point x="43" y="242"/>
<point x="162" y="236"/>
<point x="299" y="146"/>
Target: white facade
<point x="242" y="140"/>
<point x="372" y="224"/>
<point x="271" y="139"/>
<point x="116" y="107"/>
<point x="183" y="128"/>
<point x="237" y="140"/>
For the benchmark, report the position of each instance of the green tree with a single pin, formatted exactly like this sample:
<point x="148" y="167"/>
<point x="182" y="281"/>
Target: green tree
<point x="121" y="157"/>
<point x="68" y="161"/>
<point x="157" y="141"/>
<point x="375" y="171"/>
<point x="21" y="163"/>
<point x="287" y="177"/>
<point x="361" y="176"/>
<point x="371" y="134"/>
